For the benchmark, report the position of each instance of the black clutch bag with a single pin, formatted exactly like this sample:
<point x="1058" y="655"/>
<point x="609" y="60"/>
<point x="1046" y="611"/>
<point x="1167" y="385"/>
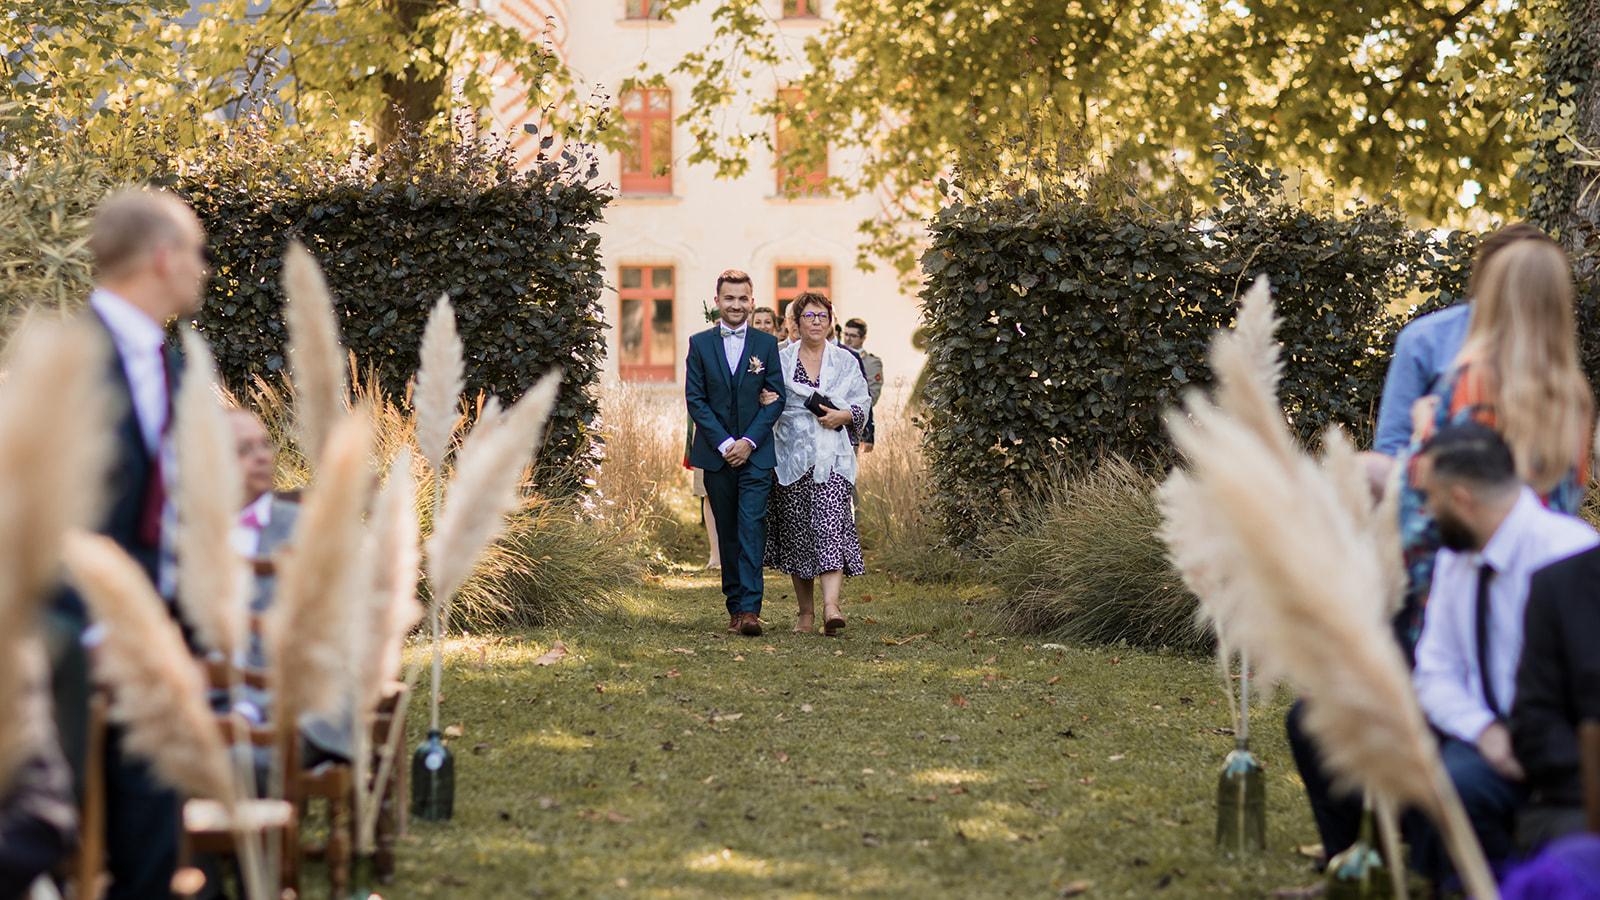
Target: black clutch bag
<point x="820" y="405"/>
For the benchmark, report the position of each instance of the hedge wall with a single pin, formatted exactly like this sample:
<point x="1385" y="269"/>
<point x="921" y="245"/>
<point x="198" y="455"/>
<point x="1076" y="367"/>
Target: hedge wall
<point x="1061" y="329"/>
<point x="515" y="251"/>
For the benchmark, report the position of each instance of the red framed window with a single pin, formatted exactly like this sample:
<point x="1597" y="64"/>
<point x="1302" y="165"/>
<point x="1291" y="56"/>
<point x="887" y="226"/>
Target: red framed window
<point x="644" y="9"/>
<point x="796" y="180"/>
<point x="802" y="9"/>
<point x="647" y="341"/>
<point x="647" y="162"/>
<point x="796" y="279"/>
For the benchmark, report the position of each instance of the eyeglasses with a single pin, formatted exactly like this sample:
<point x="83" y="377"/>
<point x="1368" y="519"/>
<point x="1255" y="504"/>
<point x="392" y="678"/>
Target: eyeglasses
<point x="816" y="316"/>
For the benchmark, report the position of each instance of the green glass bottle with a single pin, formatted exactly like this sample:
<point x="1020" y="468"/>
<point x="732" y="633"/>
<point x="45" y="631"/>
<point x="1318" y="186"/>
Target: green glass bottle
<point x="1241" y="803"/>
<point x="1359" y="872"/>
<point x="433" y="780"/>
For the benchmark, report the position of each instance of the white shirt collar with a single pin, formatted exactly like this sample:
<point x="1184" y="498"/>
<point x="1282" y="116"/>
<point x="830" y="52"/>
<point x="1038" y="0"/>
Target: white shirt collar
<point x="129" y="325"/>
<point x="1500" y="552"/>
<point x="262" y="507"/>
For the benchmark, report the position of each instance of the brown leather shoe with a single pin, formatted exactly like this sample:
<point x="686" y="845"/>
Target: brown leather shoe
<point x="733" y="623"/>
<point x="749" y="624"/>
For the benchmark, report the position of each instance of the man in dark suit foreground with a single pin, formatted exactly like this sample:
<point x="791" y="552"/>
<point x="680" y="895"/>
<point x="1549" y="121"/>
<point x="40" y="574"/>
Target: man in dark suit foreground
<point x="150" y="267"/>
<point x="1558" y="686"/>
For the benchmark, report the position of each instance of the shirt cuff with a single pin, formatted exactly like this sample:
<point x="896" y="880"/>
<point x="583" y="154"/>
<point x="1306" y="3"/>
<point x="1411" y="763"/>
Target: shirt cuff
<point x="723" y="447"/>
<point x="749" y="440"/>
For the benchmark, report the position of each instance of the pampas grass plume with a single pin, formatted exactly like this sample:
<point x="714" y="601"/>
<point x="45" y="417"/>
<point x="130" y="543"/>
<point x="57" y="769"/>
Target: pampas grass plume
<point x="211" y="573"/>
<point x="1246" y="363"/>
<point x="316" y="358"/>
<point x="158" y="695"/>
<point x="440" y="379"/>
<point x="55" y="433"/>
<point x="484" y="488"/>
<point x="319" y="585"/>
<point x="393" y="541"/>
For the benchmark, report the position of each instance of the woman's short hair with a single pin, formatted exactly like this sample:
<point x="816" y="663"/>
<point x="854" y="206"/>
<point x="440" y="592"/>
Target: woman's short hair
<point x="809" y="299"/>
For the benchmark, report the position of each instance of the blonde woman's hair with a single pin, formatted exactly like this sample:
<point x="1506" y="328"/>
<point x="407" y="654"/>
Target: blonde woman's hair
<point x="1524" y="338"/>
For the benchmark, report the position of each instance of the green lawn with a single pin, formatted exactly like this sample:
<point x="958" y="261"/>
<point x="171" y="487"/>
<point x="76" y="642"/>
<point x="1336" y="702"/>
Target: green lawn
<point x="918" y="756"/>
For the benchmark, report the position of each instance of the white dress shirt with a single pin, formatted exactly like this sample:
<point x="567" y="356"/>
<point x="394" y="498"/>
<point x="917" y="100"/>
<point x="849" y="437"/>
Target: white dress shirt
<point x="1448" y="678"/>
<point x="138" y="339"/>
<point x="733" y="347"/>
<point x="253" y="519"/>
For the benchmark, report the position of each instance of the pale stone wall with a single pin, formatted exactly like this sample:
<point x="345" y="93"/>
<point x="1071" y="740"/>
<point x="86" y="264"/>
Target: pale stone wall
<point x="710" y="224"/>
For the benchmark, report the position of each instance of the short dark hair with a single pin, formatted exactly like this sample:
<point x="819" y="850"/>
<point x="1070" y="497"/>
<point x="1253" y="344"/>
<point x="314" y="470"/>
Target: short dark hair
<point x="858" y="325"/>
<point x="733" y="276"/>
<point x="1473" y="453"/>
<point x="1498" y="240"/>
<point x="809" y="298"/>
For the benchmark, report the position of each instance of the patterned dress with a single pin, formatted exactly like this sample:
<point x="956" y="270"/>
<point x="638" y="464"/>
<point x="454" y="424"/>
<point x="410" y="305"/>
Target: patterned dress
<point x="811" y="528"/>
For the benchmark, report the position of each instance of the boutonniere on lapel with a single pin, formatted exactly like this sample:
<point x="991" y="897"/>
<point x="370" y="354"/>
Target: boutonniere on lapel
<point x="756" y="367"/>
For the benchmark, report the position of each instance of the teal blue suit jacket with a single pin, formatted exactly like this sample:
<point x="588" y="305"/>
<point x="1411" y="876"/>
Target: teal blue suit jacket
<point x="727" y="404"/>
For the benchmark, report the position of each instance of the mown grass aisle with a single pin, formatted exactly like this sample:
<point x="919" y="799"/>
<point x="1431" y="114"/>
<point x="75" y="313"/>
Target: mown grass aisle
<point x="920" y="755"/>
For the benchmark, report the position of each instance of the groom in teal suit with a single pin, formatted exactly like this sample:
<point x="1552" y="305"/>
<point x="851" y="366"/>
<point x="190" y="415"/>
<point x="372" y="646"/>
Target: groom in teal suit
<point x="728" y="367"/>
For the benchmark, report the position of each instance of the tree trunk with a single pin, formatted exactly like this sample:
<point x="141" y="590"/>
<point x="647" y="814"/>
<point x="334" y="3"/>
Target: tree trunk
<point x="1562" y="199"/>
<point x="410" y="100"/>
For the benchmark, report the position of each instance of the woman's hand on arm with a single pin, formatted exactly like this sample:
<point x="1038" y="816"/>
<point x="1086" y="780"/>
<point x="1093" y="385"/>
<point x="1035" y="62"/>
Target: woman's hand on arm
<point x="769" y="397"/>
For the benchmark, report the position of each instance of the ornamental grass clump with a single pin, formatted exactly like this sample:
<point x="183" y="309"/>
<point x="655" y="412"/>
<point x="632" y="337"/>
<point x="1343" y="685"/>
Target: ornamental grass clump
<point x="895" y="510"/>
<point x="1083" y="563"/>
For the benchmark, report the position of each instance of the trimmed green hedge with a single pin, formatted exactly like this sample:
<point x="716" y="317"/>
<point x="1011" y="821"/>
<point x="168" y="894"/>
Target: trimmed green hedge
<point x="1061" y="329"/>
<point x="516" y="252"/>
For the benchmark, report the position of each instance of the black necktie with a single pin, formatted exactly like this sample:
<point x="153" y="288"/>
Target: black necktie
<point x="1485" y="576"/>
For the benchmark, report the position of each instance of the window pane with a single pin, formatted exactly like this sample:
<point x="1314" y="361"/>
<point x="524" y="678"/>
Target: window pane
<point x="632" y="276"/>
<point x="661" y="277"/>
<point x="661" y="337"/>
<point x="660" y="146"/>
<point x="817" y="277"/>
<point x="661" y="101"/>
<point x="632" y="102"/>
<point x="633" y="154"/>
<point x="632" y="332"/>
<point x="788" y="277"/>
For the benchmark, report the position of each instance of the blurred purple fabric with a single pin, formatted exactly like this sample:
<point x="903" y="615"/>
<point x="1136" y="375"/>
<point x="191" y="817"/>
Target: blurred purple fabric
<point x="1568" y="869"/>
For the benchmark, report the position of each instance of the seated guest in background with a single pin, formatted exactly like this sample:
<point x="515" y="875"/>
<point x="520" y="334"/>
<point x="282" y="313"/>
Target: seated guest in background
<point x="764" y="319"/>
<point x="266" y="521"/>
<point x="791" y="329"/>
<point x="1496" y="534"/>
<point x="1428" y="345"/>
<point x="855" y="337"/>
<point x="1558" y="686"/>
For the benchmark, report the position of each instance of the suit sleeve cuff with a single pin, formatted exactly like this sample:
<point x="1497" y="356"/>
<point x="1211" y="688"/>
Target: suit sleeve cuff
<point x="749" y="440"/>
<point x="723" y="447"/>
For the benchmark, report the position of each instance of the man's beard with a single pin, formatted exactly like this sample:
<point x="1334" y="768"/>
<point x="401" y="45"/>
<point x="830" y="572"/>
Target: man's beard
<point x="1454" y="535"/>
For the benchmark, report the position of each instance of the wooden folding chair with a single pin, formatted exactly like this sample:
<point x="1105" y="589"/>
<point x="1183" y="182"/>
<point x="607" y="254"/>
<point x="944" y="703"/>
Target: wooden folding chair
<point x="390" y="721"/>
<point x="91" y="859"/>
<point x="209" y="829"/>
<point x="334" y="784"/>
<point x="1589" y="761"/>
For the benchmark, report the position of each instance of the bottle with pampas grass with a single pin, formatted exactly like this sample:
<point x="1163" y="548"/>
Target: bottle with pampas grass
<point x="1242" y="786"/>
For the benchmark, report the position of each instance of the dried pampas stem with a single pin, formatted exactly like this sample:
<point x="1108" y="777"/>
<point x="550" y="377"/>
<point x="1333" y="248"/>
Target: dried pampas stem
<point x="440" y="379"/>
<point x="1301" y="557"/>
<point x="309" y="624"/>
<point x="211" y="574"/>
<point x="316" y="358"/>
<point x="54" y="452"/>
<point x="1246" y="363"/>
<point x="159" y="694"/>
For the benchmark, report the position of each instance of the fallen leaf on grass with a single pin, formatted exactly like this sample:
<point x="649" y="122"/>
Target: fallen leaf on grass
<point x="866" y="598"/>
<point x="871" y="840"/>
<point x="453" y="731"/>
<point x="556" y="653"/>
<point x="673" y="673"/>
<point x="781" y="756"/>
<point x="1117" y="757"/>
<point x="726" y="717"/>
<point x="1075" y="889"/>
<point x="805" y="707"/>
<point x="599" y="689"/>
<point x="738" y="657"/>
<point x="868" y="620"/>
<point x="990" y="660"/>
<point x="617" y="818"/>
<point x="549" y="803"/>
<point x="1054" y="679"/>
<point x="684" y="650"/>
<point x="958" y="700"/>
<point x="1057" y="647"/>
<point x="1086" y="780"/>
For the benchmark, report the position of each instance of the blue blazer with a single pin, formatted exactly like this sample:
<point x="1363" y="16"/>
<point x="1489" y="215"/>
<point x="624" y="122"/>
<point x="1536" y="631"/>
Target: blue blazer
<point x="724" y="404"/>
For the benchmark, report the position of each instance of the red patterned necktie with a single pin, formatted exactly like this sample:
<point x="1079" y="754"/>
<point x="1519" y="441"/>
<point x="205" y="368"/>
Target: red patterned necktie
<point x="155" y="489"/>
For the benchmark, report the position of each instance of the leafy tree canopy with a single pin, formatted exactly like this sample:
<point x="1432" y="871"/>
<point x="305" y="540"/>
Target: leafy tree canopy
<point x="1415" y="98"/>
<point x="342" y="73"/>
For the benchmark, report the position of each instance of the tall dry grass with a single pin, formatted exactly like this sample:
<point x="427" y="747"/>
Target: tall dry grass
<point x="1082" y="562"/>
<point x="556" y="560"/>
<point x="894" y="511"/>
<point x="642" y="488"/>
